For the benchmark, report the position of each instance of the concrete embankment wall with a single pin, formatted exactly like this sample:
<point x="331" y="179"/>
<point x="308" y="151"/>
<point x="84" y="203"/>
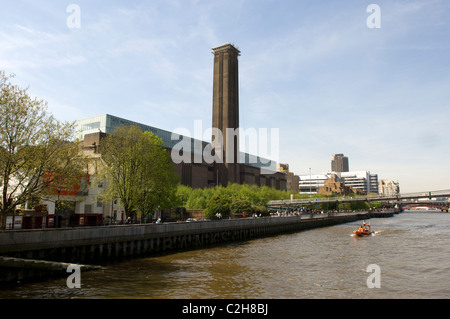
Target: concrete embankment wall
<point x="97" y="244"/>
<point x="40" y="254"/>
<point x="18" y="269"/>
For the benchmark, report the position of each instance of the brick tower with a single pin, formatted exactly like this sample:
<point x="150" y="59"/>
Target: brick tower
<point x="226" y="109"/>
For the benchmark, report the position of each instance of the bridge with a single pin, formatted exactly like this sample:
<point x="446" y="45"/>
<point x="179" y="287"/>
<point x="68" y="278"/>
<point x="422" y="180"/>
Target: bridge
<point x="443" y="205"/>
<point x="434" y="199"/>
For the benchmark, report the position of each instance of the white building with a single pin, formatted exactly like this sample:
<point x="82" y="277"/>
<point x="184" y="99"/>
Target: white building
<point x="83" y="207"/>
<point x="308" y="184"/>
<point x="388" y="188"/>
<point x="362" y="180"/>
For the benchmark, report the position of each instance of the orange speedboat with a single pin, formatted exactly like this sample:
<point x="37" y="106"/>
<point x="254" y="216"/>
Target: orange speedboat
<point x="363" y="230"/>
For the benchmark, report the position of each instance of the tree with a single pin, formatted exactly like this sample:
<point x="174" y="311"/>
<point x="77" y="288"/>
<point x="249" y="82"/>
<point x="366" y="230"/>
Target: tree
<point x="38" y="154"/>
<point x="240" y="206"/>
<point x="138" y="171"/>
<point x="218" y="204"/>
<point x="253" y="195"/>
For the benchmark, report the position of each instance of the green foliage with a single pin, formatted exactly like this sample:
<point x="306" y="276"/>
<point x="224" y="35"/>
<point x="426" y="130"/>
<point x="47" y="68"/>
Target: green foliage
<point x="218" y="204"/>
<point x="240" y="206"/>
<point x="38" y="154"/>
<point x="198" y="199"/>
<point x="251" y="199"/>
<point x="183" y="193"/>
<point x="359" y="205"/>
<point x="138" y="171"/>
<point x="235" y="198"/>
<point x="376" y="204"/>
<point x="261" y="211"/>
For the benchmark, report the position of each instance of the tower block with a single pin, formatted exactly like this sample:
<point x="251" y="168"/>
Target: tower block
<point x="226" y="109"/>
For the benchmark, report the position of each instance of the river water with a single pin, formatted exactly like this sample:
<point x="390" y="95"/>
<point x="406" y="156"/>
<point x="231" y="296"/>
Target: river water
<point x="412" y="251"/>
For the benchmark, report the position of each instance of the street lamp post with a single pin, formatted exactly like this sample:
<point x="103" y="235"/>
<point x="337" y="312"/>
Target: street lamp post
<point x="310" y="182"/>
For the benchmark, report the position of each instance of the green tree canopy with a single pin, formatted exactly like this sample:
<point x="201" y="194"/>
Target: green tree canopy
<point x="240" y="194"/>
<point x="138" y="171"/>
<point x="38" y="154"/>
<point x="218" y="204"/>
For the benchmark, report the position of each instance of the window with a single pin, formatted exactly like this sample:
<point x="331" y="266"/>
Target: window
<point x="90" y="126"/>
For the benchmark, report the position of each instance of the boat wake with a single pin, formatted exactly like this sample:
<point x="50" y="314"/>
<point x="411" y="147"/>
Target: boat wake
<point x="373" y="234"/>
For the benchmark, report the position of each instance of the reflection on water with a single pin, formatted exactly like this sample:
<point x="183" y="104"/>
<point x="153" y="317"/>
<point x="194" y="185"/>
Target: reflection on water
<point x="412" y="250"/>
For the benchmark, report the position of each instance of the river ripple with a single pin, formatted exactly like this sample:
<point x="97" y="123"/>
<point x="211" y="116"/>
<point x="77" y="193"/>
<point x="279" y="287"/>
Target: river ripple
<point x="412" y="250"/>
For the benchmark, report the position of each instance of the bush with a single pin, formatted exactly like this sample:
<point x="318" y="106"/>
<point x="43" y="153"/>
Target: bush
<point x="261" y="211"/>
<point x="218" y="204"/>
<point x="240" y="206"/>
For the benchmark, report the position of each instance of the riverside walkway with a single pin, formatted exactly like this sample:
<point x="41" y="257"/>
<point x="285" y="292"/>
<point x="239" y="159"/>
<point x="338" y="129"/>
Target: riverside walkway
<point x="94" y="245"/>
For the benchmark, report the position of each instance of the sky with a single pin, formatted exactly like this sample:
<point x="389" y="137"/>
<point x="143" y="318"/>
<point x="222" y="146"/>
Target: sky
<point x="331" y="76"/>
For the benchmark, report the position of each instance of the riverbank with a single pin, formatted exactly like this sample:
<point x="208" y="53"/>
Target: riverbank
<point x="94" y="245"/>
<point x="17" y="270"/>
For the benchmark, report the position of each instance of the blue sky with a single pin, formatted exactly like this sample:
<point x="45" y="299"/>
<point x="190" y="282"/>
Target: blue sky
<point x="313" y="69"/>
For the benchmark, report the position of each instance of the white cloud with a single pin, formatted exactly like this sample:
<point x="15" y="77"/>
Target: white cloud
<point x="27" y="48"/>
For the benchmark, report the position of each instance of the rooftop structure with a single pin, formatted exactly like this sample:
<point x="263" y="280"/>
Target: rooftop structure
<point x="107" y="123"/>
<point x="339" y="163"/>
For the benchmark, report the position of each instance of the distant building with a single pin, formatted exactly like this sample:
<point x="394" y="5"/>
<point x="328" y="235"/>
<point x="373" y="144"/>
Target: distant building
<point x="339" y="163"/>
<point x="364" y="181"/>
<point x="361" y="182"/>
<point x="388" y="188"/>
<point x="335" y="186"/>
<point x="291" y="178"/>
<point x="309" y="184"/>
